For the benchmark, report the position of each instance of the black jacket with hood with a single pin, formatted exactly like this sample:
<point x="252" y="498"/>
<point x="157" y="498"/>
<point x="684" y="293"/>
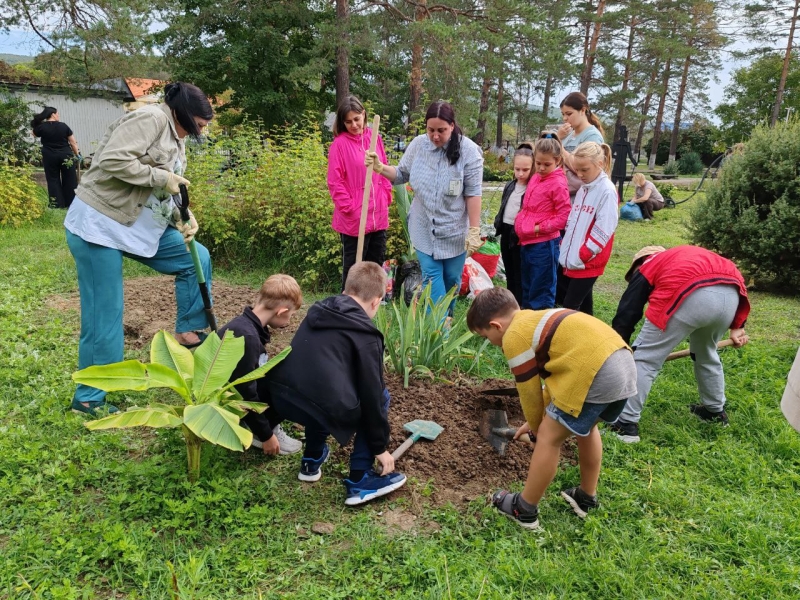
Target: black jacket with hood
<point x="334" y="374"/>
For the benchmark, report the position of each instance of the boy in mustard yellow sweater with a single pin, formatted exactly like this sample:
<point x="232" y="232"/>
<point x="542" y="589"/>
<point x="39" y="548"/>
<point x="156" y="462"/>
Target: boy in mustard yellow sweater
<point x="571" y="370"/>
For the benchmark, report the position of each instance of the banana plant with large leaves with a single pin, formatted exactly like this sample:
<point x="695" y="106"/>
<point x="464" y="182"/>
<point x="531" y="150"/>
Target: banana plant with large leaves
<point x="212" y="405"/>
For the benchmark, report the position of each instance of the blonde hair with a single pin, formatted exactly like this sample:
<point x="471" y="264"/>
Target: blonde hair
<point x="638" y="179"/>
<point x="598" y="154"/>
<point x="366" y="281"/>
<point x="548" y="143"/>
<point x="280" y="291"/>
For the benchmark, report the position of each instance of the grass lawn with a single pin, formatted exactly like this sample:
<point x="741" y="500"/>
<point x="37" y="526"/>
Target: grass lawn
<point x="693" y="511"/>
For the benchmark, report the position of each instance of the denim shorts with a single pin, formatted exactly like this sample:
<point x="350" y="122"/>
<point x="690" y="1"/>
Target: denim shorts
<point x="589" y="415"/>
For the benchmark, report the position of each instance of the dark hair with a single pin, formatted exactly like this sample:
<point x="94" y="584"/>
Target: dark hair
<point x="489" y="305"/>
<point x="548" y="143"/>
<point x="188" y="101"/>
<point x="48" y="112"/>
<point x="579" y="102"/>
<point x="524" y="149"/>
<point x="442" y="110"/>
<point x="349" y="104"/>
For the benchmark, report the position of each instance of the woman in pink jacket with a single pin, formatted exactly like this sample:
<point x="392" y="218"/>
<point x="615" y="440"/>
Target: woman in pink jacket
<point x="346" y="176"/>
<point x="544" y="213"/>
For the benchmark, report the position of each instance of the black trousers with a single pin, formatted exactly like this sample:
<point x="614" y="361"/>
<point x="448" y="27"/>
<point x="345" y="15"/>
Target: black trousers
<point x="509" y="250"/>
<point x="575" y="293"/>
<point x="374" y="250"/>
<point x="62" y="179"/>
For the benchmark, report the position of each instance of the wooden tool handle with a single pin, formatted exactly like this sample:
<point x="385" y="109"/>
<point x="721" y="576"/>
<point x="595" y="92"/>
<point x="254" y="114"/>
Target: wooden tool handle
<point x="687" y="352"/>
<point x="362" y="225"/>
<point x="401" y="449"/>
<point x="510" y="432"/>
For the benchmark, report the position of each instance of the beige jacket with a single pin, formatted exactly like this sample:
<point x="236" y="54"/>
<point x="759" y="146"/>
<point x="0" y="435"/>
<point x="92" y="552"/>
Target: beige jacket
<point x="136" y="155"/>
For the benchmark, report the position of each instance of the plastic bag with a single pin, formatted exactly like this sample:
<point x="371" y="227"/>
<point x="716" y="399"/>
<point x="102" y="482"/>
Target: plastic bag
<point x="479" y="279"/>
<point x="630" y="212"/>
<point x="409" y="279"/>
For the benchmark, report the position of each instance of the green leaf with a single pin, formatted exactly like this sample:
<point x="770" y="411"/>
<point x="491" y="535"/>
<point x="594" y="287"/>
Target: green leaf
<point x="165" y="350"/>
<point x="258" y="407"/>
<point x="126" y="375"/>
<point x="262" y="370"/>
<point x="217" y="425"/>
<point x="214" y="361"/>
<point x="164" y="377"/>
<point x="148" y="416"/>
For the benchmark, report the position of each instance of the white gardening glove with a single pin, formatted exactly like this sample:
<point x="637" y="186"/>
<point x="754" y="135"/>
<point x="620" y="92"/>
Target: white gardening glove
<point x="474" y="240"/>
<point x="174" y="182"/>
<point x="188" y="230"/>
<point x="371" y="158"/>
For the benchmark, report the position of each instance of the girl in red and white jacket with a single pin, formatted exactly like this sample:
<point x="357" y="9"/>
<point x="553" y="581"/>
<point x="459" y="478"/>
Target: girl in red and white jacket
<point x="590" y="229"/>
<point x="346" y="176"/>
<point x="545" y="208"/>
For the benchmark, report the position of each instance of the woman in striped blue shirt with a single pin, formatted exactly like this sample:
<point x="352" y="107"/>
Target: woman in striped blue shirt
<point x="445" y="170"/>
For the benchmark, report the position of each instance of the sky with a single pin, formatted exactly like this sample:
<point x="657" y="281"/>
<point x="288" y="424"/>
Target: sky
<point x="27" y="43"/>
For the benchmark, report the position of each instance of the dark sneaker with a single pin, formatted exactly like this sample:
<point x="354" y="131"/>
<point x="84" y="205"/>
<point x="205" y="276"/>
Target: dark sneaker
<point x="98" y="408"/>
<point x="311" y="468"/>
<point x="627" y="432"/>
<point x="372" y="486"/>
<point x="580" y="501"/>
<point x="508" y="504"/>
<point x="713" y="417"/>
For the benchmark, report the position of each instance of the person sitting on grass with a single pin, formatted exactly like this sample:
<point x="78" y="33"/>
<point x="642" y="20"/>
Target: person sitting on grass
<point x="332" y="383"/>
<point x="277" y="300"/>
<point x="571" y="370"/>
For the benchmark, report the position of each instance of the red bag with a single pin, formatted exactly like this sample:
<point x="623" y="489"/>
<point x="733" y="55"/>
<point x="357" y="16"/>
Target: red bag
<point x="488" y="262"/>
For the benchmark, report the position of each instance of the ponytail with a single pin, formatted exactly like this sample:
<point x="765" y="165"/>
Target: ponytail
<point x="442" y="110"/>
<point x="592" y="118"/>
<point x="48" y="112"/>
<point x="607" y="163"/>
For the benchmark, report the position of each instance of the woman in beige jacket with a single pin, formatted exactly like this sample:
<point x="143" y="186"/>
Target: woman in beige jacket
<point x="124" y="207"/>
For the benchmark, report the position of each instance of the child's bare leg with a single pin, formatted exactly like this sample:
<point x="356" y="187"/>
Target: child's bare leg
<point x="590" y="456"/>
<point x="544" y="461"/>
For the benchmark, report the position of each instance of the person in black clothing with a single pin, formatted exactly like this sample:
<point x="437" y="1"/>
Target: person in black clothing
<point x="60" y="156"/>
<point x="332" y="383"/>
<point x="621" y="151"/>
<point x="278" y="299"/>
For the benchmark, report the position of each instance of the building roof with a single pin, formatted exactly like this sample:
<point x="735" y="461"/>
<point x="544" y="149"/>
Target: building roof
<point x="143" y="87"/>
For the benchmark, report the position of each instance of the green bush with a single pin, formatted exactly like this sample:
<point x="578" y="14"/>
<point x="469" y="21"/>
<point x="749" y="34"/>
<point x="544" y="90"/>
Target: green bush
<point x="664" y="188"/>
<point x="16" y="146"/>
<point x="263" y="198"/>
<point x="22" y="200"/>
<point x="671" y="168"/>
<point x="495" y="168"/>
<point x="690" y="164"/>
<point x="752" y="214"/>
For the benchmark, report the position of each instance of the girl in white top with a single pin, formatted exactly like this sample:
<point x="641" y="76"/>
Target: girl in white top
<point x="580" y="125"/>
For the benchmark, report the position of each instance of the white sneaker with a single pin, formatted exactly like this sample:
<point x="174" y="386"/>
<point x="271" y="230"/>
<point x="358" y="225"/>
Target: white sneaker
<point x="289" y="445"/>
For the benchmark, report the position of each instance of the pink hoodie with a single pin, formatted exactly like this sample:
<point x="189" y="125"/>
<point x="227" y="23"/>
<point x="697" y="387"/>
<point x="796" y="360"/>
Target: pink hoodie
<point x="546" y="204"/>
<point x="346" y="176"/>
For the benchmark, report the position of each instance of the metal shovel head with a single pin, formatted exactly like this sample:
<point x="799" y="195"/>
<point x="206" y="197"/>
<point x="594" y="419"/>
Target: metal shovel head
<point x="428" y="430"/>
<point x="491" y="420"/>
<point x="513" y="392"/>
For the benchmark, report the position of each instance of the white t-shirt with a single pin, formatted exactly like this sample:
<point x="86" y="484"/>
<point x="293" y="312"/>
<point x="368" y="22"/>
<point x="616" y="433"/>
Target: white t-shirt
<point x="514" y="204"/>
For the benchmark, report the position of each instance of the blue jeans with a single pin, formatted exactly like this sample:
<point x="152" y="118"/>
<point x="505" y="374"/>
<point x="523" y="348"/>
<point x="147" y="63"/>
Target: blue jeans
<point x="443" y="274"/>
<point x="100" y="285"/>
<point x="539" y="264"/>
<point x="361" y="458"/>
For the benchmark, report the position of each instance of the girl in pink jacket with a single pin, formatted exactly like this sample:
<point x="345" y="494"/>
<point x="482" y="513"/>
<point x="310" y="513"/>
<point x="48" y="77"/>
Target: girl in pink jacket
<point x="346" y="176"/>
<point x="544" y="213"/>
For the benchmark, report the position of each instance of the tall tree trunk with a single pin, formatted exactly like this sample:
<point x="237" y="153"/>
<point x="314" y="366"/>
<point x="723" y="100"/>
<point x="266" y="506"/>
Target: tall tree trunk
<point x="637" y="147"/>
<point x="785" y="72"/>
<point x="586" y="76"/>
<point x="625" y="79"/>
<point x="659" y="114"/>
<point x="676" y="129"/>
<point x="420" y="14"/>
<point x="548" y="91"/>
<point x="342" y="52"/>
<point x="500" y="107"/>
<point x="484" y="104"/>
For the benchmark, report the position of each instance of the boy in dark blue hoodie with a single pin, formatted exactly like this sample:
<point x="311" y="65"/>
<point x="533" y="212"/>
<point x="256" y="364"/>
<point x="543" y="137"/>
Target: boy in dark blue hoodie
<point x="332" y="383"/>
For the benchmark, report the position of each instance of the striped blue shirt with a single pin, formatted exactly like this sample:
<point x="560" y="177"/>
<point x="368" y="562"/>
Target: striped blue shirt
<point x="438" y="221"/>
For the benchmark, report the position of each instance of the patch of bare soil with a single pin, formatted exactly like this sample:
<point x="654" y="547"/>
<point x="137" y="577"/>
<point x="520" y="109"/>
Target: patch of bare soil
<point x="459" y="465"/>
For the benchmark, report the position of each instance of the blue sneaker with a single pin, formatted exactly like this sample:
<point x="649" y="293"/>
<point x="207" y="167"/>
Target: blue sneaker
<point x="96" y="408"/>
<point x="311" y="468"/>
<point x="372" y="486"/>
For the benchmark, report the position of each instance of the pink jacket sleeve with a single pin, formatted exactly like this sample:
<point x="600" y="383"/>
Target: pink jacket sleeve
<point x="336" y="180"/>
<point x="378" y="180"/>
<point x="561" y="207"/>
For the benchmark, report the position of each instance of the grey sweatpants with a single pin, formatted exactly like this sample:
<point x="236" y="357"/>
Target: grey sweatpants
<point x="704" y="317"/>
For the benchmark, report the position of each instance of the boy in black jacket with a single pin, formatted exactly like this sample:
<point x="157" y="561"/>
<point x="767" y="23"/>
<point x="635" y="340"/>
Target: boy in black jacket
<point x="278" y="299"/>
<point x="332" y="383"/>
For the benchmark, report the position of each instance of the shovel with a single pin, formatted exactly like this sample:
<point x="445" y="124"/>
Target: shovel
<point x="198" y="268"/>
<point x="362" y="224"/>
<point x="428" y="430"/>
<point x="495" y="430"/>
<point x="675" y="355"/>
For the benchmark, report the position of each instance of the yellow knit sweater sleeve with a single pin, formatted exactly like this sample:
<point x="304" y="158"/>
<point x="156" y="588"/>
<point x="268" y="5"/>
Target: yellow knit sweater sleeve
<point x="522" y="362"/>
